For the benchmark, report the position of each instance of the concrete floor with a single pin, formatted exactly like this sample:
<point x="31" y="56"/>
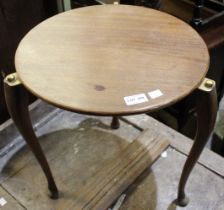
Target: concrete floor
<point x="77" y="146"/>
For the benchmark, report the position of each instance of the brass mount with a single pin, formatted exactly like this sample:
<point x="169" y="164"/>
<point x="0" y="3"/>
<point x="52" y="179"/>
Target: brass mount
<point x="207" y="85"/>
<point x="12" y="80"/>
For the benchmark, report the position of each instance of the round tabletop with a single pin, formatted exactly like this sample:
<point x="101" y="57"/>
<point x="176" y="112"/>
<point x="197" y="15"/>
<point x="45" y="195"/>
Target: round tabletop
<point x="112" y="60"/>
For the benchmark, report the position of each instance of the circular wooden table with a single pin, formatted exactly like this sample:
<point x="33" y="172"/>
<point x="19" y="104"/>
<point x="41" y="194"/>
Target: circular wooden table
<point x="88" y="60"/>
<point x="110" y="60"/>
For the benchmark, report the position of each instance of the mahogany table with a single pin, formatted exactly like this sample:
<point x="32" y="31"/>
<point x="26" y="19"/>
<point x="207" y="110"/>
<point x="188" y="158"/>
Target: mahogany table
<point x="112" y="60"/>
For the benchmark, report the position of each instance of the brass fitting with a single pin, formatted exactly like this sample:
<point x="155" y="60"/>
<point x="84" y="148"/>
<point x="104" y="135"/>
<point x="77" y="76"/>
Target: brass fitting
<point x="12" y="80"/>
<point x="207" y="85"/>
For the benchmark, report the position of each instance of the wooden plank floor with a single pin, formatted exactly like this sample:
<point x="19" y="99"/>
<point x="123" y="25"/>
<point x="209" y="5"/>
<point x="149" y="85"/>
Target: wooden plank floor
<point x="77" y="146"/>
<point x="101" y="190"/>
<point x="7" y="202"/>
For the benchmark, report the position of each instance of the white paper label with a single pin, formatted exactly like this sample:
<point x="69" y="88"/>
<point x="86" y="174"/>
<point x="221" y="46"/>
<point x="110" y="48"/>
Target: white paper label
<point x="2" y="201"/>
<point x="155" y="94"/>
<point x="135" y="99"/>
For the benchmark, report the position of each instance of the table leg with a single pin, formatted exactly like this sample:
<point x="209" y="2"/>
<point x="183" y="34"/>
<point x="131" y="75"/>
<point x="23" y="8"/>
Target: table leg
<point x="206" y="107"/>
<point x="115" y="124"/>
<point x="17" y="103"/>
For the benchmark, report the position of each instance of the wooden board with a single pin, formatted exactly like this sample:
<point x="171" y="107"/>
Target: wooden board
<point x="178" y="141"/>
<point x="156" y="189"/>
<point x="87" y="60"/>
<point x="76" y="147"/>
<point x="7" y="202"/>
<point x="102" y="189"/>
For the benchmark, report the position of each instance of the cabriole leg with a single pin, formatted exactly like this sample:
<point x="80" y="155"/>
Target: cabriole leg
<point x="206" y="107"/>
<point x="17" y="103"/>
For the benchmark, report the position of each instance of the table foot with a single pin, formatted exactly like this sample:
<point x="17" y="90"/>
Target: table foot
<point x="54" y="191"/>
<point x="115" y="124"/>
<point x="182" y="201"/>
<point x="17" y="104"/>
<point x="206" y="107"/>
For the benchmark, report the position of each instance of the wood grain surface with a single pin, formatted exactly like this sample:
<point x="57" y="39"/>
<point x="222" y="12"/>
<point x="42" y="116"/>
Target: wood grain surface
<point x="87" y="60"/>
<point x="101" y="190"/>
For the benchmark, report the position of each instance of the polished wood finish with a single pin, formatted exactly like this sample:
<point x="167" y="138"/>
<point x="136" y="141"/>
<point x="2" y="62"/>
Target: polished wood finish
<point x="17" y="103"/>
<point x="87" y="60"/>
<point x="206" y="104"/>
<point x="117" y="174"/>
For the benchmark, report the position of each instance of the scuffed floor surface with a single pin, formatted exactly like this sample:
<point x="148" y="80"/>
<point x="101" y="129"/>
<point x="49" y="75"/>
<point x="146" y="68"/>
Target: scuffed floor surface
<point x="76" y="147"/>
